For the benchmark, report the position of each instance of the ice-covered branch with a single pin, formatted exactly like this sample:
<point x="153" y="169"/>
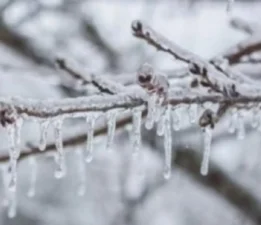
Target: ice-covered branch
<point x="246" y="47"/>
<point x="248" y="27"/>
<point x="71" y="107"/>
<point x="102" y="83"/>
<point x="210" y="75"/>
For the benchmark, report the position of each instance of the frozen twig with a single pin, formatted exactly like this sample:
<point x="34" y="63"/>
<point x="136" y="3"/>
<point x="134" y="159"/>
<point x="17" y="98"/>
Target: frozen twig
<point x="210" y="75"/>
<point x="246" y="47"/>
<point x="248" y="27"/>
<point x="102" y="83"/>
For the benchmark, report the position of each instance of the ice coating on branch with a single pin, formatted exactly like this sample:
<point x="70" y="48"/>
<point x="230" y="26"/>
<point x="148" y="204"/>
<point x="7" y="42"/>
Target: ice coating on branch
<point x="136" y="130"/>
<point x="60" y="170"/>
<point x="207" y="139"/>
<point x="75" y="107"/>
<point x="111" y="124"/>
<point x="33" y="176"/>
<point x="43" y="134"/>
<point x="193" y="113"/>
<point x="90" y="120"/>
<point x="241" y="132"/>
<point x="167" y="143"/>
<point x="81" y="170"/>
<point x="156" y="85"/>
<point x="151" y="111"/>
<point x="176" y="119"/>
<point x="233" y="120"/>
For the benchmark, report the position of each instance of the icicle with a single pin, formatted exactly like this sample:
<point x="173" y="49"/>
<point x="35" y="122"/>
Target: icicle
<point x="136" y="130"/>
<point x="233" y="121"/>
<point x="207" y="147"/>
<point x="13" y="156"/>
<point x="111" y="124"/>
<point x="90" y="130"/>
<point x="230" y="5"/>
<point x="81" y="168"/>
<point x="255" y="118"/>
<point x="33" y="176"/>
<point x="161" y="125"/>
<point x="60" y="171"/>
<point x="18" y="126"/>
<point x="192" y="112"/>
<point x="151" y="111"/>
<point x="159" y="109"/>
<point x="241" y="132"/>
<point x="176" y="120"/>
<point x="5" y="186"/>
<point x="43" y="129"/>
<point x="167" y="143"/>
<point x="12" y="204"/>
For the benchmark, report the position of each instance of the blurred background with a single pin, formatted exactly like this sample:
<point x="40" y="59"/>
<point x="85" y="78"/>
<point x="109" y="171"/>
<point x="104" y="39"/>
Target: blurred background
<point x="119" y="190"/>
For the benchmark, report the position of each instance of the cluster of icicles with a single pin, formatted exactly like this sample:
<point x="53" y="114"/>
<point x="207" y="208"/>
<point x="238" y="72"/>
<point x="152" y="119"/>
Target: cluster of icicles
<point x="165" y="117"/>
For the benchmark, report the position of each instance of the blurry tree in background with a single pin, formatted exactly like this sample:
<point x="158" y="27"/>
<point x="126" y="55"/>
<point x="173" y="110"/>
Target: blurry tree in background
<point x="77" y="70"/>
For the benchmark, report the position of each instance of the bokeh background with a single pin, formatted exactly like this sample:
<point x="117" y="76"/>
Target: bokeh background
<point x="121" y="190"/>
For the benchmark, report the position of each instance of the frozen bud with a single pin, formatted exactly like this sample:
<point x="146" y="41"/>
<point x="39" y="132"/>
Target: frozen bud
<point x="7" y="115"/>
<point x="145" y="75"/>
<point x="136" y="26"/>
<point x="160" y="84"/>
<point x="207" y="119"/>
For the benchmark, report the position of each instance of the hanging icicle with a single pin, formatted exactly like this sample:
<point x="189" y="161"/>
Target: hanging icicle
<point x="136" y="130"/>
<point x="14" y="131"/>
<point x="111" y="124"/>
<point x="152" y="101"/>
<point x="4" y="173"/>
<point x="176" y="119"/>
<point x="12" y="205"/>
<point x="233" y="120"/>
<point x="90" y="132"/>
<point x="255" y="118"/>
<point x="161" y="125"/>
<point x="33" y="176"/>
<point x="241" y="132"/>
<point x="207" y="132"/>
<point x="60" y="170"/>
<point x="81" y="170"/>
<point x="43" y="134"/>
<point x="167" y="143"/>
<point x="193" y="113"/>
